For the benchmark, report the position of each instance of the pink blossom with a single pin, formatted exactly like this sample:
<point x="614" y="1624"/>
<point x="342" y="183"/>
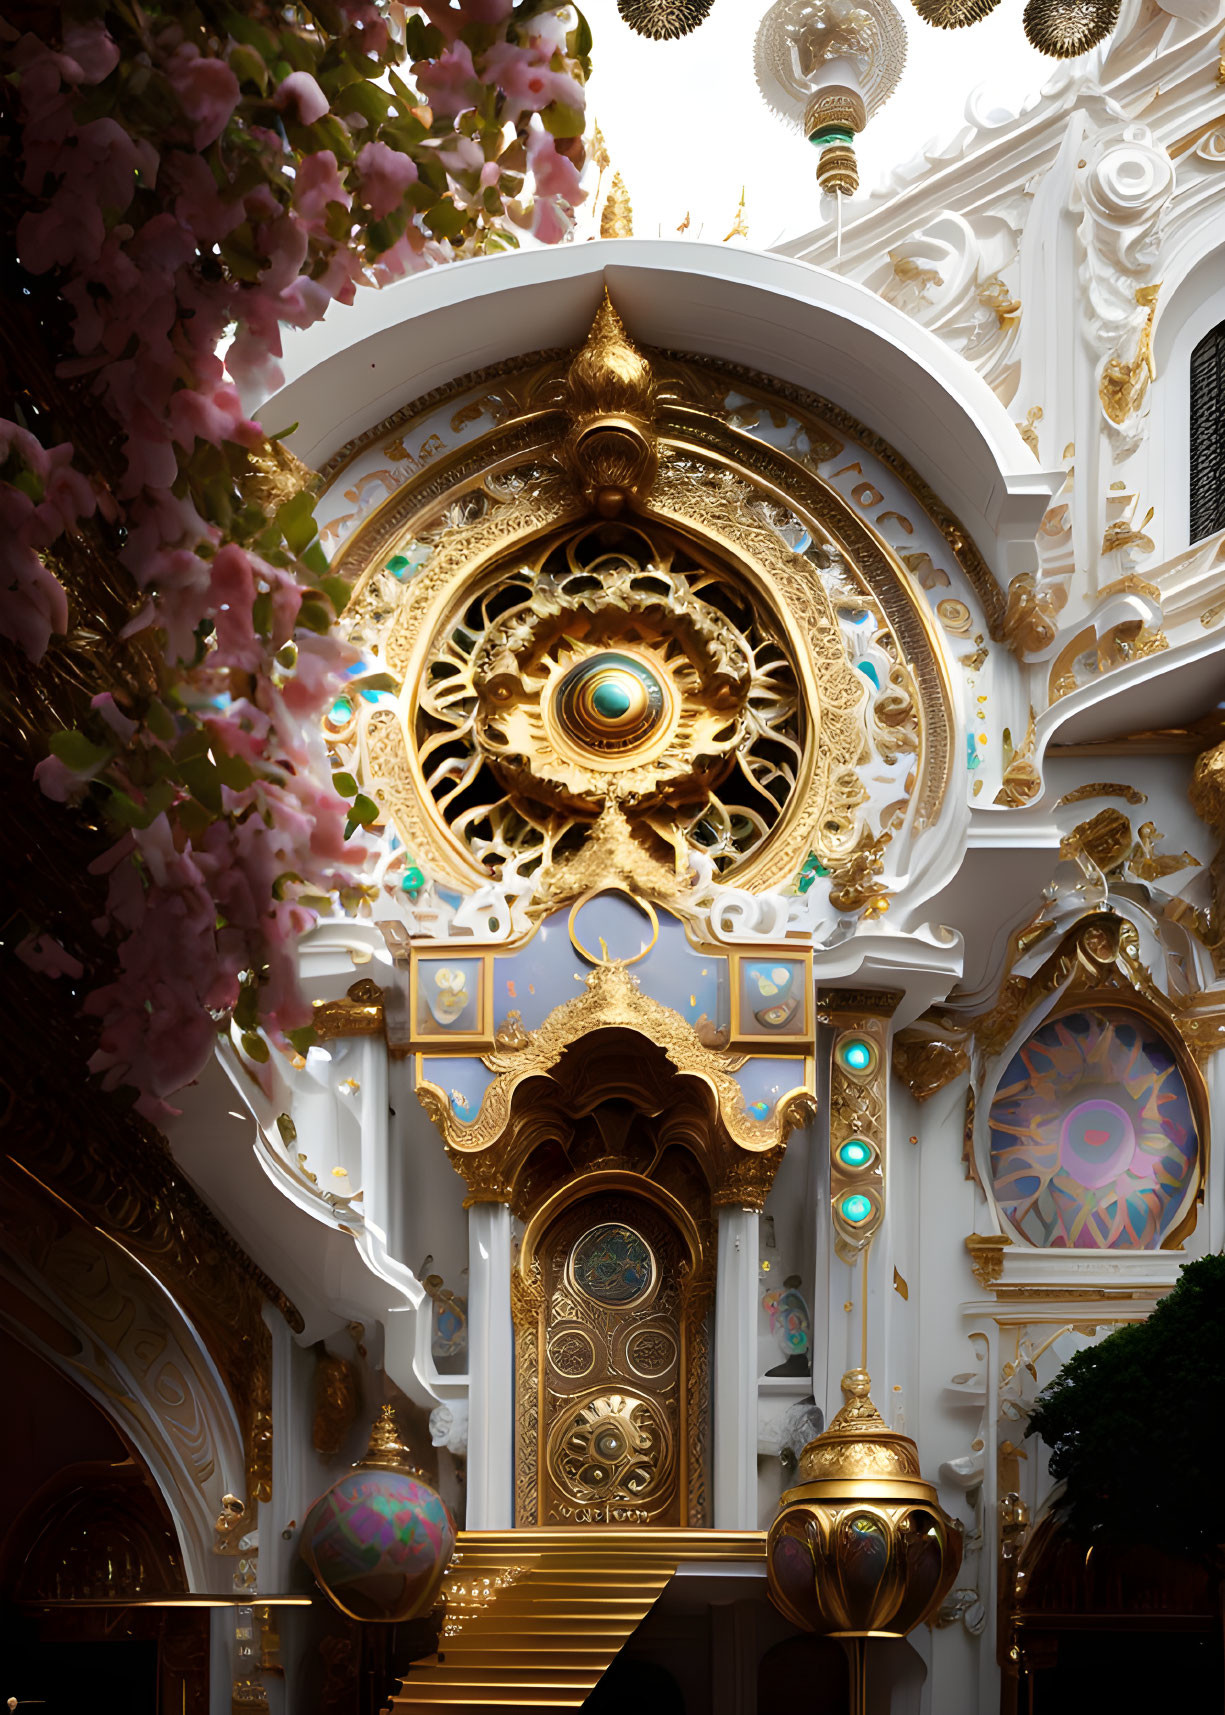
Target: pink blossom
<point x="300" y="89"/>
<point x="451" y="19"/>
<point x="207" y="89"/>
<point x="555" y="175"/>
<point x="43" y="953"/>
<point x="88" y="50"/>
<point x="233" y="592"/>
<point x="449" y="83"/>
<point x="317" y="184"/>
<point x="33" y="604"/>
<point x="105" y="705"/>
<point x="62" y="783"/>
<point x="215" y="417"/>
<point x="384" y="174"/>
<point x="528" y="80"/>
<point x="149" y="308"/>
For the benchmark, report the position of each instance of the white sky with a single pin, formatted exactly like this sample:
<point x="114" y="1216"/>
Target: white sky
<point x="686" y="125"/>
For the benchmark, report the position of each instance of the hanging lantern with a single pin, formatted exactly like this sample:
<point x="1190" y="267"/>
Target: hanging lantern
<point x="1065" y="28"/>
<point x="378" y="1541"/>
<point x="954" y="14"/>
<point x="861" y="1547"/>
<point x="662" y="20"/>
<point x="825" y="66"/>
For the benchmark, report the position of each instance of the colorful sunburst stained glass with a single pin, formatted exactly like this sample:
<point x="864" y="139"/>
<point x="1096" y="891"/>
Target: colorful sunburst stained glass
<point x="1093" y="1141"/>
<point x="612" y="1264"/>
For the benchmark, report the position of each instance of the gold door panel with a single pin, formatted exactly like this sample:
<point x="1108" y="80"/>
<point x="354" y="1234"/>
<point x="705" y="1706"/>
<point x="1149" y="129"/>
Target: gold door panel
<point x="611" y="1402"/>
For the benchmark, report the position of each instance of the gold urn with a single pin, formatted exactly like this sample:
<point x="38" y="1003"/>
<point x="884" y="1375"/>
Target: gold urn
<point x="861" y="1547"/>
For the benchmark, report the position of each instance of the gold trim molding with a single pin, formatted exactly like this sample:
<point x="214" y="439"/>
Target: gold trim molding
<point x="742" y="1152"/>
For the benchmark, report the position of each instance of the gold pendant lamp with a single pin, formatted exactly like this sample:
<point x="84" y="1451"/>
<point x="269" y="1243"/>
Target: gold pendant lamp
<point x="663" y="20"/>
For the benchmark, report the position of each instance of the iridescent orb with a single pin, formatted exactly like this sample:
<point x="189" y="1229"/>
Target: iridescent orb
<point x="610" y="702"/>
<point x="378" y="1542"/>
<point x="856" y="1208"/>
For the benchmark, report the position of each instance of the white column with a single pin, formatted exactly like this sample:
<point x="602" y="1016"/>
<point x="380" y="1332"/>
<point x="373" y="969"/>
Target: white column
<point x="490" y="1370"/>
<point x="735" y="1371"/>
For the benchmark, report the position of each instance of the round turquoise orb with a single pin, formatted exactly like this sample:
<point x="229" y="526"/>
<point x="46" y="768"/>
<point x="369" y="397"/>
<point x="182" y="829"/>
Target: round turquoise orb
<point x="856" y="1208"/>
<point x="856" y="1055"/>
<point x="378" y="1542"/>
<point x="611" y="699"/>
<point x="854" y="1153"/>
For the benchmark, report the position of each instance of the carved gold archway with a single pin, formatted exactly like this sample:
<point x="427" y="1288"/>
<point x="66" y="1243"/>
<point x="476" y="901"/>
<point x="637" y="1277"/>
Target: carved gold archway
<point x="535" y="1089"/>
<point x="614" y="1126"/>
<point x="617" y="434"/>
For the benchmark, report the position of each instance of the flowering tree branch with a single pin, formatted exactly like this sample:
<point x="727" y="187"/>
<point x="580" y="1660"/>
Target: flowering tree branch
<point x="188" y="173"/>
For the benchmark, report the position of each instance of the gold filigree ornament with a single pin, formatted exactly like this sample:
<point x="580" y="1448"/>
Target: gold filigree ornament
<point x="603" y="651"/>
<point x="861" y="1547"/>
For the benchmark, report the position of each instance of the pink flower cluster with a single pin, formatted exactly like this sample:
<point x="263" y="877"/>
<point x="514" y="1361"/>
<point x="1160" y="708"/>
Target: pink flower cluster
<point x="193" y="195"/>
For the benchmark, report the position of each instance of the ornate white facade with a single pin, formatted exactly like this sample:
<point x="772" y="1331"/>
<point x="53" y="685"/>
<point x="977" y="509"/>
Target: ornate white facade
<point x="1000" y="359"/>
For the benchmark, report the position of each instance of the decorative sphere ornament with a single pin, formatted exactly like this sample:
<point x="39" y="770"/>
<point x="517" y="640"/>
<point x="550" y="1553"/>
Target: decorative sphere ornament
<point x="826" y="66"/>
<point x="1066" y="28"/>
<point x="954" y="14"/>
<point x="662" y="20"/>
<point x="861" y="1547"/>
<point x="378" y="1541"/>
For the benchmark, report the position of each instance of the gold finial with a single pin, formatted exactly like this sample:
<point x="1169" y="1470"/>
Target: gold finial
<point x="858" y="1443"/>
<point x="610" y="449"/>
<point x="617" y="220"/>
<point x="740" y="226"/>
<point x="386" y="1451"/>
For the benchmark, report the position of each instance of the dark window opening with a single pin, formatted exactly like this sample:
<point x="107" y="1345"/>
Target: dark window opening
<point x="1208" y="435"/>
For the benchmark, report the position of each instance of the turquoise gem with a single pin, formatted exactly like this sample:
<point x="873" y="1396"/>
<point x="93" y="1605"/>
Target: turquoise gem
<point x="340" y="711"/>
<point x="856" y="1055"/>
<point x="854" y="1153"/>
<point x="856" y="1208"/>
<point x="413" y="880"/>
<point x="611" y="699"/>
<point x="869" y="672"/>
<point x="398" y="564"/>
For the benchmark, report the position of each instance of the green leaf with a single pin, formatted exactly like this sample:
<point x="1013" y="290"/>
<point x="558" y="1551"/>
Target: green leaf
<point x="314" y="616"/>
<point x="368" y="99"/>
<point x="315" y="558"/>
<point x="75" y="751"/>
<point x="362" y="813"/>
<point x="337" y="590"/>
<point x="246" y="1007"/>
<point x="422" y="41"/>
<point x="254" y="1046"/>
<point x="287" y="1129"/>
<point x="446" y="219"/>
<point x="562" y="121"/>
<point x="345" y="785"/>
<point x="303" y="1039"/>
<point x="382" y="234"/>
<point x="161" y="722"/>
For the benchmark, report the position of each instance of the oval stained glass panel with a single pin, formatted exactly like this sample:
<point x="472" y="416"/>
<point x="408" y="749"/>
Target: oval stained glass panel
<point x="1093" y="1138"/>
<point x="612" y="1264"/>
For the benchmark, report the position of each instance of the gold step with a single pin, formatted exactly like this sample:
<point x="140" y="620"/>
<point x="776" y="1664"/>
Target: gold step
<point x="536" y="1616"/>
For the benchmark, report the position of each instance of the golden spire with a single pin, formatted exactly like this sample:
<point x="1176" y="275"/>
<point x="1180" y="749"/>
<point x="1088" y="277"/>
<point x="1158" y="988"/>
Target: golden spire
<point x="858" y="1443"/>
<point x="610" y="449"/>
<point x="386" y="1451"/>
<point x="740" y="226"/>
<point x="617" y="220"/>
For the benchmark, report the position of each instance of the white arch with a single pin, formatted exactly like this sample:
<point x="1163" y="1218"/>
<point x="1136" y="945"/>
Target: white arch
<point x="105" y="1321"/>
<point x="773" y="313"/>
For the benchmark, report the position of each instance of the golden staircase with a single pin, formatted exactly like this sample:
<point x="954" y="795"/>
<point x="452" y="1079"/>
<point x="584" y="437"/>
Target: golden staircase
<point x="534" y="1617"/>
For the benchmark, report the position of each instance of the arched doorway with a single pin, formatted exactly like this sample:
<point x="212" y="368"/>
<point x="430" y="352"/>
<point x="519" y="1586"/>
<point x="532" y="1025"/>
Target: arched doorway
<point x="614" y="1267"/>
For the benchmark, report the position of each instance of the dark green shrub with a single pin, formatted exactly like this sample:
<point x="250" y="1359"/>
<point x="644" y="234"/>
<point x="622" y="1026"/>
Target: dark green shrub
<point x="1134" y="1425"/>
